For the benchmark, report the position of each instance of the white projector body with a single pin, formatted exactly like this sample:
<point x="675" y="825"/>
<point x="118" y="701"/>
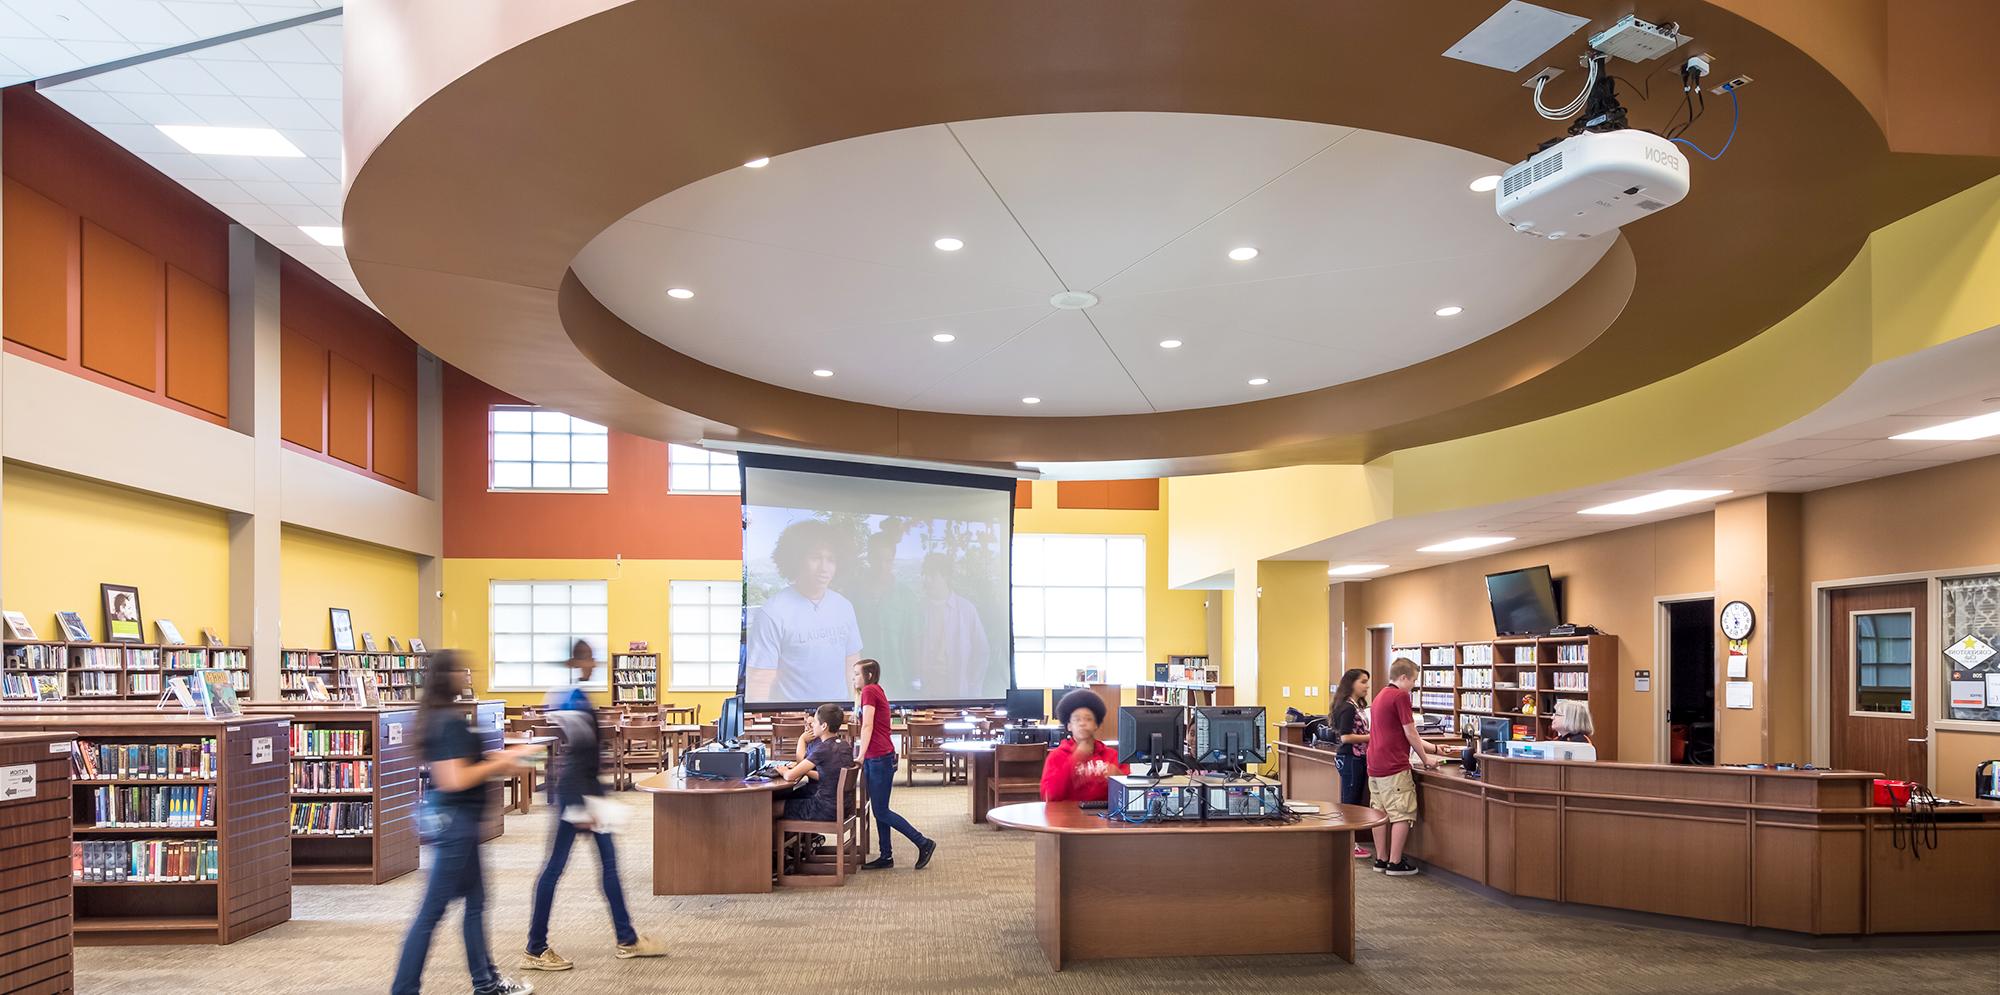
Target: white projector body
<point x="1592" y="184"/>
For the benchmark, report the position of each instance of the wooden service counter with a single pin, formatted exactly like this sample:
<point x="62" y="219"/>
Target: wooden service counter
<point x="1798" y="851"/>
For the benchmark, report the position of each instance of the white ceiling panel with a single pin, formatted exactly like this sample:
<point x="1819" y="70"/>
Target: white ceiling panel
<point x="1060" y="359"/>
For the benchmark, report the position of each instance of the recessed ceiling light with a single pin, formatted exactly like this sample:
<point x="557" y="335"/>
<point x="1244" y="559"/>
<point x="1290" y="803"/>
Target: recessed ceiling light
<point x="1350" y="569"/>
<point x="1651" y="502"/>
<point x="1259" y="381"/>
<point x="1485" y="184"/>
<point x="202" y="139"/>
<point x="1978" y="427"/>
<point x="1031" y="400"/>
<point x="1170" y="343"/>
<point x="822" y="373"/>
<point x="758" y="163"/>
<point x="328" y="235"/>
<point x="680" y="293"/>
<point x="1448" y="310"/>
<point x="1243" y="254"/>
<point x="1461" y="545"/>
<point x="949" y="244"/>
<point x="944" y="337"/>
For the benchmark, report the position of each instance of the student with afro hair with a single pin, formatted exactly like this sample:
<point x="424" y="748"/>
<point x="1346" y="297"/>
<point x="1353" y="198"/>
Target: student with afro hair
<point x="1079" y="769"/>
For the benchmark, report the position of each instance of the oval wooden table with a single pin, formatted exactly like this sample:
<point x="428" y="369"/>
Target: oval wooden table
<point x="1106" y="889"/>
<point x="710" y="837"/>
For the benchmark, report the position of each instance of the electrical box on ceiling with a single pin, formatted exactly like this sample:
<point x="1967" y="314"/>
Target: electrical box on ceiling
<point x="1635" y="40"/>
<point x="1592" y="184"/>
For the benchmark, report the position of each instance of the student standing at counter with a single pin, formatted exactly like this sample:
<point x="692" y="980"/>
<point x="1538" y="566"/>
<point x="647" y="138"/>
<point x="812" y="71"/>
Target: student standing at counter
<point x="1391" y="786"/>
<point x="1350" y="729"/>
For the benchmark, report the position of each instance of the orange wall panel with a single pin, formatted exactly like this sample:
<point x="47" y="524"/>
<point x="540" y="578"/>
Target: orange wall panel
<point x="124" y="298"/>
<point x="39" y="286"/>
<point x="395" y="432"/>
<point x="349" y="396"/>
<point x="302" y="388"/>
<point x="1082" y="494"/>
<point x="197" y="343"/>
<point x="1024" y="494"/>
<point x="1132" y="495"/>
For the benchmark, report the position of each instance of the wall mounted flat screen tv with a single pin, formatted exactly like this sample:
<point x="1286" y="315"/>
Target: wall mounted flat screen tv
<point x="1525" y="602"/>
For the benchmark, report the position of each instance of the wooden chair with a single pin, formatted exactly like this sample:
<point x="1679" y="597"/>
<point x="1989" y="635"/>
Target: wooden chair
<point x="674" y="715"/>
<point x="1017" y="774"/>
<point x="785" y="735"/>
<point x="640" y="748"/>
<point x="826" y="865"/>
<point x="925" y="748"/>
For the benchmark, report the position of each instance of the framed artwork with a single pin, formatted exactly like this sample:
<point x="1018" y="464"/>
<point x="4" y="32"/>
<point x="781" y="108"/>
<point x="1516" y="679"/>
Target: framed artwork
<point x="368" y="642"/>
<point x="18" y="627"/>
<point x="343" y="629"/>
<point x="122" y="623"/>
<point x="636" y="646"/>
<point x="73" y="628"/>
<point x="170" y="634"/>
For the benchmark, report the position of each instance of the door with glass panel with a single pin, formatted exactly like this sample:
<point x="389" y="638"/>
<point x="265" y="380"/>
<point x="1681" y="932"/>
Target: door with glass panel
<point x="1880" y="703"/>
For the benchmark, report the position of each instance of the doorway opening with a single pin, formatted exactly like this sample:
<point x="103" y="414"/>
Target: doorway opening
<point x="1380" y="638"/>
<point x="1690" y="678"/>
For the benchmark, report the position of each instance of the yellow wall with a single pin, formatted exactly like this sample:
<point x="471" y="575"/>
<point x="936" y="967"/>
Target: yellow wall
<point x="317" y="571"/>
<point x="1223" y="521"/>
<point x="1292" y="643"/>
<point x="64" y="536"/>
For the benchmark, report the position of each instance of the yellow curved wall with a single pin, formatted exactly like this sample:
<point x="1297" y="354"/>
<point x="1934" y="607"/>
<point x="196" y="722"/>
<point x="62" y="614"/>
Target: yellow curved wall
<point x="317" y="571"/>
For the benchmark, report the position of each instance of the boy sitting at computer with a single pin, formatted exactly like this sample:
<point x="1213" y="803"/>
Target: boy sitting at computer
<point x="815" y="779"/>
<point x="1079" y="770"/>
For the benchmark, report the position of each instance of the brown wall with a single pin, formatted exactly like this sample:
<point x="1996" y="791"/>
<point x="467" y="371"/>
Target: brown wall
<point x="348" y="380"/>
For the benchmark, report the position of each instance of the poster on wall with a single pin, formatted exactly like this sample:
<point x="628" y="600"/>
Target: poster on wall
<point x="1970" y="652"/>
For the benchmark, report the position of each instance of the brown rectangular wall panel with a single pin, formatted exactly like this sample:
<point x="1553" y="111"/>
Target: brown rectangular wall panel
<point x="395" y="432"/>
<point x="1024" y="494"/>
<point x="302" y="391"/>
<point x="1082" y="493"/>
<point x="124" y="302"/>
<point x="348" y="399"/>
<point x="38" y="288"/>
<point x="1132" y="495"/>
<point x="197" y="343"/>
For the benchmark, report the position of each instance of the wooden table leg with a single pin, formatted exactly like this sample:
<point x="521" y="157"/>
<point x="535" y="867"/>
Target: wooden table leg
<point x="1342" y="890"/>
<point x="527" y="799"/>
<point x="712" y="843"/>
<point x="1049" y="897"/>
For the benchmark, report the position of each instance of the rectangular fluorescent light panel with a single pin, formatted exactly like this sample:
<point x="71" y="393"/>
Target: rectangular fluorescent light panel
<point x="1355" y="568"/>
<point x="1978" y="427"/>
<point x="1651" y="502"/>
<point x="1514" y="36"/>
<point x="204" y="140"/>
<point x="1469" y="542"/>
<point x="327" y="235"/>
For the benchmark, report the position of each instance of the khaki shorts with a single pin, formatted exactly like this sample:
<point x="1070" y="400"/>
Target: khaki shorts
<point x="1396" y="795"/>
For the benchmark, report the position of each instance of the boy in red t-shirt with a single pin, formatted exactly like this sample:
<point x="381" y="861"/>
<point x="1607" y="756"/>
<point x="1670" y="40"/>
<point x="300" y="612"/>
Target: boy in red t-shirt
<point x="1391" y="786"/>
<point x="1080" y="769"/>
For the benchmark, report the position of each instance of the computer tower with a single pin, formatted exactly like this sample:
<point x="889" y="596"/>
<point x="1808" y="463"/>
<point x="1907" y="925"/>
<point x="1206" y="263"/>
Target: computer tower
<point x="1240" y="798"/>
<point x="1148" y="799"/>
<point x="729" y="764"/>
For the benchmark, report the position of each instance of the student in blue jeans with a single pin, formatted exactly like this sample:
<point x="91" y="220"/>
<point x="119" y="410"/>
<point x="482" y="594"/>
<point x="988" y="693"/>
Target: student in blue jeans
<point x="573" y="779"/>
<point x="459" y="770"/>
<point x="878" y="766"/>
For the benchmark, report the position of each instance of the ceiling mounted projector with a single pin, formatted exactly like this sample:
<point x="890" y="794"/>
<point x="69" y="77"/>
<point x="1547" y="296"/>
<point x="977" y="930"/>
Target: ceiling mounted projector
<point x="1592" y="184"/>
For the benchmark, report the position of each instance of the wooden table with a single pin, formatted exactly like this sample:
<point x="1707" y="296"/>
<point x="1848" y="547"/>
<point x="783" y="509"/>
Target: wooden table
<point x="710" y="837"/>
<point x="524" y="782"/>
<point x="1106" y="889"/>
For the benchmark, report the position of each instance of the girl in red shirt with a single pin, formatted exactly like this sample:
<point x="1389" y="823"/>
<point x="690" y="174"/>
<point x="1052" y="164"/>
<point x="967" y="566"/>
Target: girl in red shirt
<point x="1077" y="770"/>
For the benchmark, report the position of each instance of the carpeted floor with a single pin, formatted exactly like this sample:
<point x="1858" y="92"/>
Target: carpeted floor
<point x="965" y="924"/>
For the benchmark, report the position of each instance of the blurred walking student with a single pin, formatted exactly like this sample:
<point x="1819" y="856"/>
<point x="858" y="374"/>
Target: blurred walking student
<point x="1350" y="727"/>
<point x="574" y="791"/>
<point x="878" y="766"/>
<point x="459" y="770"/>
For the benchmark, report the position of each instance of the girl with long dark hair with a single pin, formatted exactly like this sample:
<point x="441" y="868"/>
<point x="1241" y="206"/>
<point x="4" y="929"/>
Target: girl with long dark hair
<point x="459" y="770"/>
<point x="1349" y="722"/>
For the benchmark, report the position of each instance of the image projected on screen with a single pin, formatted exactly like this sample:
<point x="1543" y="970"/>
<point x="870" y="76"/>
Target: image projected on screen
<point x="843" y="568"/>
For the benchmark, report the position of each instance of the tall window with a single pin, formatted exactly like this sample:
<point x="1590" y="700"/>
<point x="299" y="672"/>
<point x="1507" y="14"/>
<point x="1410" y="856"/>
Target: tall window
<point x="535" y="622"/>
<point x="707" y="621"/>
<point x="1079" y="602"/>
<point x="534" y="449"/>
<point x="692" y="470"/>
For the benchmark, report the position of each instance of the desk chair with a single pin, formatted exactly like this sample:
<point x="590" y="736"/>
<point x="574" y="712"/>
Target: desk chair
<point x="785" y="735"/>
<point x="826" y="865"/>
<point x="676" y="715"/>
<point x="1017" y="774"/>
<point x="641" y="747"/>
<point x="925" y="742"/>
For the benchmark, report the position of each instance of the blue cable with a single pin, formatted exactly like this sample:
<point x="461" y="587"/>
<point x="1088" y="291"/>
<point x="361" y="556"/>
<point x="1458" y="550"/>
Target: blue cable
<point x="1735" y="118"/>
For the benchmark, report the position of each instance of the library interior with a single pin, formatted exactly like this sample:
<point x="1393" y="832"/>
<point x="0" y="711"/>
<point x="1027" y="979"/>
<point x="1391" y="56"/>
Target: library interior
<point x="1109" y="496"/>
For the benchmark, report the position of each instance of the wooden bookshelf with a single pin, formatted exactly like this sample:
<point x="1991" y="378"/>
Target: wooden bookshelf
<point x="1111" y="694"/>
<point x="1191" y="694"/>
<point x="635" y="678"/>
<point x="488" y="718"/>
<point x="1517" y="679"/>
<point x="399" y="675"/>
<point x="388" y="745"/>
<point x="36" y="925"/>
<point x="251" y="887"/>
<point x="113" y="671"/>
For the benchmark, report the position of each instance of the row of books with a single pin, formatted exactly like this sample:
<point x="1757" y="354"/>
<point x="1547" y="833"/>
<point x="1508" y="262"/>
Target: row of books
<point x="1434" y="701"/>
<point x="312" y="741"/>
<point x="165" y="807"/>
<point x="36" y="656"/>
<point x="94" y="761"/>
<point x="157" y="861"/>
<point x="1571" y="680"/>
<point x="1475" y="701"/>
<point x="95" y="682"/>
<point x="101" y="658"/>
<point x="197" y="658"/>
<point x="333" y="775"/>
<point x="1476" y="677"/>
<point x="333" y="818"/>
<point x="21" y="684"/>
<point x="1572" y="653"/>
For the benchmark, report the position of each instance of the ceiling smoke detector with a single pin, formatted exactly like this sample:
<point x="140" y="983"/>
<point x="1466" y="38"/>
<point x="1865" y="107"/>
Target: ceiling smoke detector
<point x="1073" y="300"/>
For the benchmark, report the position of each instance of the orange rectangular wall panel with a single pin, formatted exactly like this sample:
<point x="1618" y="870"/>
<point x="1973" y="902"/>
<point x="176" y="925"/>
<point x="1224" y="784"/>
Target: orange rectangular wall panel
<point x="349" y="396"/>
<point x="124" y="303"/>
<point x="1082" y="493"/>
<point x="1024" y="494"/>
<point x="197" y="343"/>
<point x="1132" y="495"/>
<point x="395" y="432"/>
<point x="302" y="388"/>
<point x="39" y="286"/>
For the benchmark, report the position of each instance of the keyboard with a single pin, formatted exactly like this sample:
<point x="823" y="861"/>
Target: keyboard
<point x="1086" y="806"/>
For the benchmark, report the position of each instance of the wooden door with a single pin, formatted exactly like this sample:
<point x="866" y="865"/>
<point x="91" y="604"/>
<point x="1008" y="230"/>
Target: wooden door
<point x="1378" y="654"/>
<point x="1879" y="702"/>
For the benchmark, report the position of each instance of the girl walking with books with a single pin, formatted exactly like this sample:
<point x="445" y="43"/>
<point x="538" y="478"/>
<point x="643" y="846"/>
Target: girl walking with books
<point x="459" y="770"/>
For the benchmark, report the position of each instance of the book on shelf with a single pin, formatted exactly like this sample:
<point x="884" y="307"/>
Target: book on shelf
<point x="170" y="634"/>
<point x="314" y="741"/>
<point x="36" y="656"/>
<point x="333" y="818"/>
<point x="18" y="625"/>
<point x="72" y="627"/>
<point x="91" y="760"/>
<point x="169" y="806"/>
<point x="210" y="637"/>
<point x="311" y="776"/>
<point x="147" y="861"/>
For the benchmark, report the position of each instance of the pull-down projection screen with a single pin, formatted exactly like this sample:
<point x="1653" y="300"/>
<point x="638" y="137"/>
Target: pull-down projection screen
<point x="846" y="561"/>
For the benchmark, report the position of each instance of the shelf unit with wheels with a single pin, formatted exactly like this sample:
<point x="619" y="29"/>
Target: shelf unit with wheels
<point x="635" y="679"/>
<point x="36" y="925"/>
<point x="348" y="755"/>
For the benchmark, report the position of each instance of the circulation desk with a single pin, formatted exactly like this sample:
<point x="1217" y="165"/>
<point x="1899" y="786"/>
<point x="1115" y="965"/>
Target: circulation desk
<point x="1799" y="851"/>
<point x="710" y="837"/>
<point x="1107" y="889"/>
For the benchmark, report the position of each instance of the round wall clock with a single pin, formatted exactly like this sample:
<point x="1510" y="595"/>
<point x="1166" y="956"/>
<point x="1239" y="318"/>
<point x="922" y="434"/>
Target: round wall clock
<point x="1737" y="619"/>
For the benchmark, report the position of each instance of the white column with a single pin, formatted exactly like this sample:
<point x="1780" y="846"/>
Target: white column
<point x="254" y="378"/>
<point x="430" y="484"/>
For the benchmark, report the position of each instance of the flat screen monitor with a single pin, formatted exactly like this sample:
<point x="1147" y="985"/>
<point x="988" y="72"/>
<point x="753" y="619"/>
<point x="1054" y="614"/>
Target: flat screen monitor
<point x="1152" y="734"/>
<point x="1524" y="602"/>
<point x="1494" y="734"/>
<point x="1024" y="705"/>
<point x="1228" y="736"/>
<point x="729" y="723"/>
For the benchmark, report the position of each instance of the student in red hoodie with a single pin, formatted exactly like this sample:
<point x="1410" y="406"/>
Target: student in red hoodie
<point x="1077" y="770"/>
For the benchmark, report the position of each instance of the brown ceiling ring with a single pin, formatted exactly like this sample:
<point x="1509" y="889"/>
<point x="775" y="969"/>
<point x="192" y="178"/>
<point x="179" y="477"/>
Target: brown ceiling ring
<point x="483" y="192"/>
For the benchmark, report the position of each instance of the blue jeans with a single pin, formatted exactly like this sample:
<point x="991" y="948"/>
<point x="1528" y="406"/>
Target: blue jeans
<point x="455" y="873"/>
<point x="880" y="774"/>
<point x="1353" y="779"/>
<point x="545" y="886"/>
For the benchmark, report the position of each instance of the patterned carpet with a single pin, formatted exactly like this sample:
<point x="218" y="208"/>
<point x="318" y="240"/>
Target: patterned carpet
<point x="965" y="924"/>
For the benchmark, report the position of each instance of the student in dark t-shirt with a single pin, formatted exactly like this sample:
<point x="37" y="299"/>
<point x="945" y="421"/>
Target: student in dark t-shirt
<point x="459" y="769"/>
<point x="815" y="780"/>
<point x="1349" y="723"/>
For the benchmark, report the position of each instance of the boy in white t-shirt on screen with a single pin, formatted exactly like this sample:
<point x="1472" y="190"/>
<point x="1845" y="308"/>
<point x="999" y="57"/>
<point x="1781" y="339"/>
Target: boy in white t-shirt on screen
<point x="804" y="638"/>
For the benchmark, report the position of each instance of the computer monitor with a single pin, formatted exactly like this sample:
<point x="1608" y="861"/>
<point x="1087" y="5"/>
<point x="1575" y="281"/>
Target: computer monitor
<point x="1024" y="705"/>
<point x="729" y="723"/>
<point x="1494" y="734"/>
<point x="1228" y="737"/>
<point x="1154" y="734"/>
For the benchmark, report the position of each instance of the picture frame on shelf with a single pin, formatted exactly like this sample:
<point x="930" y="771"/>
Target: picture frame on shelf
<point x="368" y="642"/>
<point x="73" y="628"/>
<point x="170" y="634"/>
<point x="636" y="646"/>
<point x="343" y="628"/>
<point x="18" y="626"/>
<point x="416" y="645"/>
<point x="122" y="621"/>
